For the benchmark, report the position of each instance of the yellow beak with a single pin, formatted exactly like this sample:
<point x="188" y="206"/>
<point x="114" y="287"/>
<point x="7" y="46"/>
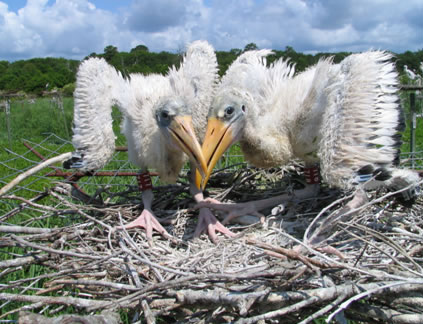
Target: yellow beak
<point x="217" y="140"/>
<point x="182" y="132"/>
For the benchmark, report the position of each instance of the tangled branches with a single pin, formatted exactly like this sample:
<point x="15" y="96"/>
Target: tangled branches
<point x="268" y="273"/>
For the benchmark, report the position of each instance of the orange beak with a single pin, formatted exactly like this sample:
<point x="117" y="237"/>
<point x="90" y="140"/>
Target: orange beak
<point x="182" y="132"/>
<point x="217" y="140"/>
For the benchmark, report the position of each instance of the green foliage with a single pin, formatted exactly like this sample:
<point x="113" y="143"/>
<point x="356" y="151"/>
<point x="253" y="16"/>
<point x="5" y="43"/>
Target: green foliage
<point x="37" y="75"/>
<point x="411" y="59"/>
<point x="40" y="74"/>
<point x="139" y="48"/>
<point x="68" y="89"/>
<point x="250" y="47"/>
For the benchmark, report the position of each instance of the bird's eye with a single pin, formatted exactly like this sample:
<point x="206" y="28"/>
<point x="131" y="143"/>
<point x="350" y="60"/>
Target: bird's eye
<point x="229" y="111"/>
<point x="243" y="108"/>
<point x="164" y="114"/>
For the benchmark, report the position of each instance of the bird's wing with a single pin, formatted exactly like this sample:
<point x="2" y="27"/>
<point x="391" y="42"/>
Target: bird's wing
<point x="195" y="81"/>
<point x="98" y="87"/>
<point x="248" y="73"/>
<point x="363" y="117"/>
<point x="275" y="89"/>
<point x="300" y="105"/>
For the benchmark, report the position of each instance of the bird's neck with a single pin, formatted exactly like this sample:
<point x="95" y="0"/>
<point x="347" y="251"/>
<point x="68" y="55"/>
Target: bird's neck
<point x="265" y="146"/>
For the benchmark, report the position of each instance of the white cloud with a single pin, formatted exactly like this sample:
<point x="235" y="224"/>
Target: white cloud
<point x="76" y="28"/>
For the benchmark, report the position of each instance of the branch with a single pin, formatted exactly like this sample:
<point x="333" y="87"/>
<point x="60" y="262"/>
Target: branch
<point x="104" y="317"/>
<point x="17" y="262"/>
<point x="24" y="229"/>
<point x="37" y="168"/>
<point x="69" y="301"/>
<point x="49" y="250"/>
<point x="385" y="315"/>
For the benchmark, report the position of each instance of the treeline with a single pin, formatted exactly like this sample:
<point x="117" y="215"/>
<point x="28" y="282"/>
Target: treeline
<point x="34" y="76"/>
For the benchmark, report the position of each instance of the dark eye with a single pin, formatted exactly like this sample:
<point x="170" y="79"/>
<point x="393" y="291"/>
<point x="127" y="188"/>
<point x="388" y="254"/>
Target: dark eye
<point x="229" y="111"/>
<point x="243" y="108"/>
<point x="164" y="114"/>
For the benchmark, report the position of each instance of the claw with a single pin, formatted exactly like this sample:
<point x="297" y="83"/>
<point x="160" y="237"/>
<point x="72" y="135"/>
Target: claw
<point x="149" y="222"/>
<point x="208" y="222"/>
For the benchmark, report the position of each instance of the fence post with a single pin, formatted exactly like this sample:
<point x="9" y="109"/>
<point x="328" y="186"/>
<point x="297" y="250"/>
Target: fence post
<point x="413" y="127"/>
<point x="9" y="131"/>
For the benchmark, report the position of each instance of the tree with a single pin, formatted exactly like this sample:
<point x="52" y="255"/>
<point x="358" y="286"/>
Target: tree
<point x="235" y="51"/>
<point x="139" y="48"/>
<point x="110" y="52"/>
<point x="250" y="47"/>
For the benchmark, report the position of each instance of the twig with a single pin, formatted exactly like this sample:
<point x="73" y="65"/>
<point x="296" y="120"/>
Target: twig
<point x="71" y="301"/>
<point x="30" y="203"/>
<point x="377" y="290"/>
<point x="67" y="203"/>
<point x="24" y="229"/>
<point x="37" y="168"/>
<point x="17" y="262"/>
<point x="101" y="283"/>
<point x="152" y="264"/>
<point x="49" y="250"/>
<point x="149" y="317"/>
<point x="293" y="255"/>
<point x="324" y="310"/>
<point x="280" y="312"/>
<point x="16" y="210"/>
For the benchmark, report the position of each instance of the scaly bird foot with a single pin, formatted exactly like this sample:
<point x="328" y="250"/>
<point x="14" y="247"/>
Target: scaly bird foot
<point x="233" y="210"/>
<point x="149" y="222"/>
<point x="208" y="222"/>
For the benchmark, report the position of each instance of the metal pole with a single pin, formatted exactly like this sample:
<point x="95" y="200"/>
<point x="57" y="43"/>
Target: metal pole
<point x="413" y="127"/>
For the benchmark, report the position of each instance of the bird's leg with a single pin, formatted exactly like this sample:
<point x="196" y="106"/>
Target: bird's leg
<point x="206" y="220"/>
<point x="147" y="220"/>
<point x="253" y="207"/>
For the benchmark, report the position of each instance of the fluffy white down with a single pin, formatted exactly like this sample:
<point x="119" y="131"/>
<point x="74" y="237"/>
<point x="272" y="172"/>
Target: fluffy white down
<point x="361" y="117"/>
<point x="94" y="96"/>
<point x="343" y="116"/>
<point x="196" y="81"/>
<point x="99" y="86"/>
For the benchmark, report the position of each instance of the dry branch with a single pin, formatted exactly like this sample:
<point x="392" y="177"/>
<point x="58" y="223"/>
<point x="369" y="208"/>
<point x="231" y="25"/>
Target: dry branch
<point x="258" y="276"/>
<point x="57" y="159"/>
<point x="69" y="301"/>
<point x="106" y="317"/>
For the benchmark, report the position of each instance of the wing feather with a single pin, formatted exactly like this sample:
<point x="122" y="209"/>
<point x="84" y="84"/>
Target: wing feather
<point x="98" y="87"/>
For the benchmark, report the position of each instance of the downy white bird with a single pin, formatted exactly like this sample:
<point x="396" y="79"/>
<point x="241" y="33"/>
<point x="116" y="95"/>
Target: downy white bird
<point x="411" y="75"/>
<point x="163" y="117"/>
<point x="344" y="118"/>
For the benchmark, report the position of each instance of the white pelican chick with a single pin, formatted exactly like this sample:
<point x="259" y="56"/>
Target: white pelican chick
<point x="343" y="117"/>
<point x="162" y="118"/>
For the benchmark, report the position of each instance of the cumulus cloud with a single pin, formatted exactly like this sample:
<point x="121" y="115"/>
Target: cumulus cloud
<point x="75" y="28"/>
<point x="156" y="15"/>
<point x="65" y="28"/>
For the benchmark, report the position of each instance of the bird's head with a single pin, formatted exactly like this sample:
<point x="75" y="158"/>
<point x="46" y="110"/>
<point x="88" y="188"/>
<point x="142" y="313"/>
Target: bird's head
<point x="227" y="118"/>
<point x="175" y="121"/>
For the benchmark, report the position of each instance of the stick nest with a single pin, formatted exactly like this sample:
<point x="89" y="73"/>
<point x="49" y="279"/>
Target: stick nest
<point x="304" y="260"/>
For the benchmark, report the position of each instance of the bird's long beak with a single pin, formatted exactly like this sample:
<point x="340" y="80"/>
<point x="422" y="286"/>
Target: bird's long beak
<point x="217" y="140"/>
<point x="182" y="132"/>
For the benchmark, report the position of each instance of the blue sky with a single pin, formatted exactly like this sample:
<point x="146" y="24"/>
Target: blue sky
<point x="76" y="28"/>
